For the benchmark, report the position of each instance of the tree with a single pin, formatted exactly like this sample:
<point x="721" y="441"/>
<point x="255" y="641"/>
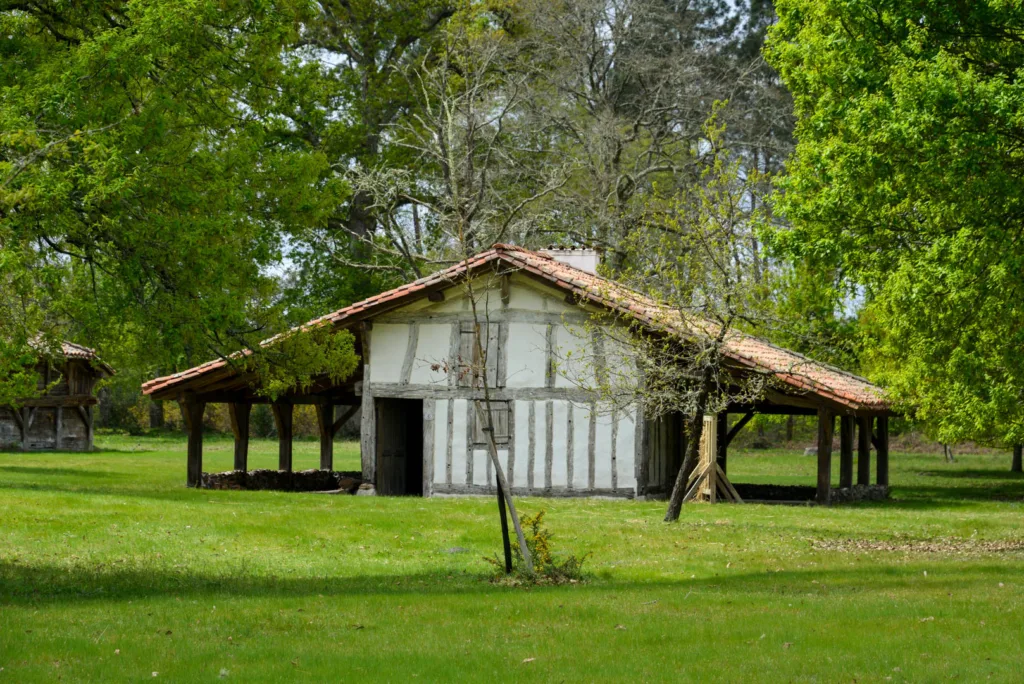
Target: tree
<point x="908" y="175"/>
<point x="348" y="87"/>
<point x="474" y="185"/>
<point x="695" y="262"/>
<point x="142" y="200"/>
<point x="623" y="88"/>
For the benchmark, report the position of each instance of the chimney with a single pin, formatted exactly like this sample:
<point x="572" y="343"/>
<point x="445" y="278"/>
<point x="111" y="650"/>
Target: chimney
<point x="583" y="258"/>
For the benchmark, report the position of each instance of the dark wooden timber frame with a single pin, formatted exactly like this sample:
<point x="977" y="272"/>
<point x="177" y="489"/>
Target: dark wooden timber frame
<point x="854" y="427"/>
<point x="228" y="384"/>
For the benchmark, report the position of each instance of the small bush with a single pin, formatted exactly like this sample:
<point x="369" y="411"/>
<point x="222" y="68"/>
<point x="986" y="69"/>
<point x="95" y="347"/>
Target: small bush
<point x="547" y="569"/>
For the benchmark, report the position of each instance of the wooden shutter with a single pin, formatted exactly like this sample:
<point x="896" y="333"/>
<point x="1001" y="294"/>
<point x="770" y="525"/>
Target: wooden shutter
<point x="467" y="355"/>
<point x="500" y="411"/>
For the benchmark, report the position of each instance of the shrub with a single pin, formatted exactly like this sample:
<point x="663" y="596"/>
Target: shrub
<point x="547" y="568"/>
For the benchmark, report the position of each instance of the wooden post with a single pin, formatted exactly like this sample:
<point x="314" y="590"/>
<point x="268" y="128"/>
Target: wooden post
<point x="826" y="426"/>
<point x="882" y="448"/>
<point x="58" y="426"/>
<point x="1015" y="467"/>
<point x="325" y="421"/>
<point x="192" y="412"/>
<point x="723" y="442"/>
<point x="846" y="427"/>
<point x="368" y="418"/>
<point x="26" y="423"/>
<point x="283" y="421"/>
<point x="239" y="414"/>
<point x="864" y="451"/>
<point x="90" y="424"/>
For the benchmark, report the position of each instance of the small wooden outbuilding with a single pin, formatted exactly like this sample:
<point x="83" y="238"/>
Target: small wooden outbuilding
<point x="61" y="419"/>
<point x="419" y="432"/>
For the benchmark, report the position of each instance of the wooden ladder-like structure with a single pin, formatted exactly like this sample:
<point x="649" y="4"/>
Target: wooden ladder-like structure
<point x="708" y="480"/>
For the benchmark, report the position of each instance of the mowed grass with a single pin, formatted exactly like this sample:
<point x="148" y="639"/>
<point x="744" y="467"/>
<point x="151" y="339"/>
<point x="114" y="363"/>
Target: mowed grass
<point x="111" y="570"/>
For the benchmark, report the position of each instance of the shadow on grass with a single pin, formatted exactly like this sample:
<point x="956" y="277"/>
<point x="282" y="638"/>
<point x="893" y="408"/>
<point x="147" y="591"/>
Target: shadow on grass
<point x="67" y="472"/>
<point x="976" y="474"/>
<point x="918" y="497"/>
<point x="41" y="584"/>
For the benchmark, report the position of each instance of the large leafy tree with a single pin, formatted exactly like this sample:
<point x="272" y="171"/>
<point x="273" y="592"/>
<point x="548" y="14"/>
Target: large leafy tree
<point x="909" y="175"/>
<point x="144" y="195"/>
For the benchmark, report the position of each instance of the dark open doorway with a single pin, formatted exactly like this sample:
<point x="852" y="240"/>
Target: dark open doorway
<point x="399" y="447"/>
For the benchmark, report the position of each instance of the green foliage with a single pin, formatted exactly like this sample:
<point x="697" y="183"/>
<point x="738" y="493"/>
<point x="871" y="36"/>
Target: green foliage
<point x="331" y="352"/>
<point x="144" y="194"/>
<point x="907" y="176"/>
<point x="547" y="568"/>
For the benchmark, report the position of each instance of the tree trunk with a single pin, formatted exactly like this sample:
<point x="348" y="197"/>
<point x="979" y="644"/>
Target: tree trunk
<point x="1015" y="467"/>
<point x="675" y="502"/>
<point x="156" y="414"/>
<point x="947" y="451"/>
<point x="789" y="428"/>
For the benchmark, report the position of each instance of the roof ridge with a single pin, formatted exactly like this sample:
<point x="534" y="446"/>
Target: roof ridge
<point x="824" y="378"/>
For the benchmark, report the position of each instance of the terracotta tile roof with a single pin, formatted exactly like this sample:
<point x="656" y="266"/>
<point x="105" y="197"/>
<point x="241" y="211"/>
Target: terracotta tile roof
<point x="70" y="350"/>
<point x="795" y="370"/>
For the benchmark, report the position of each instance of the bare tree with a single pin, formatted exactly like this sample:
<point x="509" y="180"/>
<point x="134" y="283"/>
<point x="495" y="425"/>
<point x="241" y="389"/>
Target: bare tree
<point x="623" y="87"/>
<point x="694" y="266"/>
<point x="479" y="176"/>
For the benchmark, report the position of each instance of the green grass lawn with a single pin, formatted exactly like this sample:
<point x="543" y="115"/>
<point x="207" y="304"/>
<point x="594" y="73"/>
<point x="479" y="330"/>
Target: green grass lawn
<point x="111" y="570"/>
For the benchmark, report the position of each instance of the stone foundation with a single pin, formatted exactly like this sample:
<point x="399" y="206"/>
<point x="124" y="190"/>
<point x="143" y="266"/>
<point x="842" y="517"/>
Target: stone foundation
<point x="860" y="493"/>
<point x="280" y="480"/>
<point x="804" y="494"/>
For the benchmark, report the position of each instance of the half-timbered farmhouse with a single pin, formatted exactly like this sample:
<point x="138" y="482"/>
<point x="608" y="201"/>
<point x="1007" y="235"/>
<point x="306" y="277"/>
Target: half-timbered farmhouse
<point x="419" y="433"/>
<point x="62" y="417"/>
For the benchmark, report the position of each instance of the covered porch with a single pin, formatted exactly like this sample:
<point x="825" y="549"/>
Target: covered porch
<point x="860" y="430"/>
<point x="221" y="383"/>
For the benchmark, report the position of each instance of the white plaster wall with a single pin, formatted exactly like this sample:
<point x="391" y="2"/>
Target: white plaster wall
<point x="525" y="298"/>
<point x="560" y="444"/>
<point x="526" y="353"/>
<point x="388" y="342"/>
<point x="503" y="460"/>
<point x="480" y="467"/>
<point x="625" y="455"/>
<point x="459" y="446"/>
<point x="432" y="347"/>
<point x="581" y="446"/>
<point x="573" y="357"/>
<point x="539" y="447"/>
<point x="603" y="455"/>
<point x="440" y="441"/>
<point x="452" y="303"/>
<point x="521" y="473"/>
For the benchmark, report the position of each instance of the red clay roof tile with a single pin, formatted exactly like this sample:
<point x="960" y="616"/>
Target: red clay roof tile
<point x="790" y="367"/>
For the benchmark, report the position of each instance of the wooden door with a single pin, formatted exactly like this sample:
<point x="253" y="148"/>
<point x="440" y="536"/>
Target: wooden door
<point x="392" y="448"/>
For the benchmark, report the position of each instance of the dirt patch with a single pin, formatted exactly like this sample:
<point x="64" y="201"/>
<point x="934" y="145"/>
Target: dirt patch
<point x="951" y="546"/>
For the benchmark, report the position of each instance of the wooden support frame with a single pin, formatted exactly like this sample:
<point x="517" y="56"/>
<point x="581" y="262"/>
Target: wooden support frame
<point x="239" y="414"/>
<point x="740" y="424"/>
<point x="283" y="420"/>
<point x="368" y="422"/>
<point x="325" y="424"/>
<point x="708" y="481"/>
<point x="722" y="455"/>
<point x="846" y="429"/>
<point x="85" y="413"/>
<point x="192" y="412"/>
<point x="344" y="418"/>
<point x="864" y="450"/>
<point x="882" y="451"/>
<point x="826" y="428"/>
